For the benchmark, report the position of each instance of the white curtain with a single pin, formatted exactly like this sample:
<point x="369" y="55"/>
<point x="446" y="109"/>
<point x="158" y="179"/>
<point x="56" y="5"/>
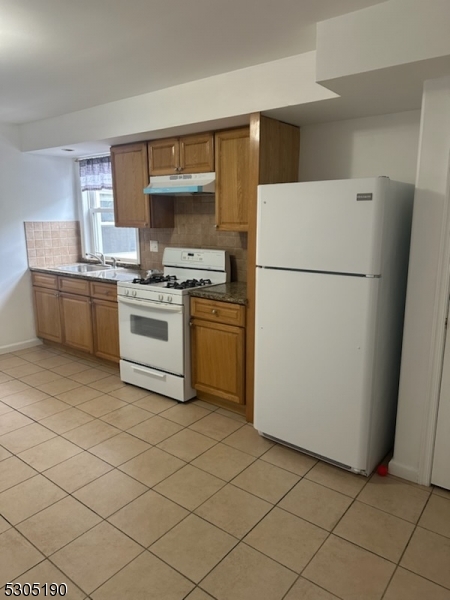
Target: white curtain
<point x="95" y="173"/>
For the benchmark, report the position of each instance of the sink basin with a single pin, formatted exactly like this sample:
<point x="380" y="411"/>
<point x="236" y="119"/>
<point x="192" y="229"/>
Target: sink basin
<point x="83" y="268"/>
<point x="117" y="275"/>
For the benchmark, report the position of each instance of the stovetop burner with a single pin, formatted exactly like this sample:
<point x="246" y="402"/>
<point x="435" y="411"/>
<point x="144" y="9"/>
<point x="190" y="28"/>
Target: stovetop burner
<point x="189" y="283"/>
<point x="171" y="282"/>
<point x="159" y="278"/>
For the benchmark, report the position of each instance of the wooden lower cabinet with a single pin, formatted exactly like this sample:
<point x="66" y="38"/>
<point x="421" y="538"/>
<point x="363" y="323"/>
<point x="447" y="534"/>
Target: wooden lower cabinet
<point x="105" y="318"/>
<point x="218" y="351"/>
<point x="77" y="322"/>
<point x="47" y="314"/>
<point x="78" y="313"/>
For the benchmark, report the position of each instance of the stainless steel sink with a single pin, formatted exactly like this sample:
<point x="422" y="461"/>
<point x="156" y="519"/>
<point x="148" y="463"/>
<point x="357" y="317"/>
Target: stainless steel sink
<point x="117" y="274"/>
<point x="83" y="268"/>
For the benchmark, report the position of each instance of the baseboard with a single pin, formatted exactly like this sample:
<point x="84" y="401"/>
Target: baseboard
<point x="403" y="471"/>
<point x="231" y="406"/>
<point x="20" y="346"/>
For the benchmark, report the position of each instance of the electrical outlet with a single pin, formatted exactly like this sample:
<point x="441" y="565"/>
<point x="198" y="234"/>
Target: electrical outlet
<point x="153" y="246"/>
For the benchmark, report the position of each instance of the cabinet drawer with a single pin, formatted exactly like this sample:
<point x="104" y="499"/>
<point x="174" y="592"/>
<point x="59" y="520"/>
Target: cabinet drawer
<point x="104" y="291"/>
<point x="74" y="286"/>
<point x="44" y="280"/>
<point x="220" y="312"/>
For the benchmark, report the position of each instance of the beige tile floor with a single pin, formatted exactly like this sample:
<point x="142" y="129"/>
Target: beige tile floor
<point x="121" y="493"/>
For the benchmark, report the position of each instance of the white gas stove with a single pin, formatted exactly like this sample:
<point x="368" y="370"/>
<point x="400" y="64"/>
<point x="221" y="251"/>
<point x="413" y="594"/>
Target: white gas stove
<point x="154" y="320"/>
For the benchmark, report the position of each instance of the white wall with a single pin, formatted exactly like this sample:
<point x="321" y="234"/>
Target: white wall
<point x="32" y="188"/>
<point x="291" y="80"/>
<point x="367" y="147"/>
<point x="425" y="301"/>
<point x="381" y="36"/>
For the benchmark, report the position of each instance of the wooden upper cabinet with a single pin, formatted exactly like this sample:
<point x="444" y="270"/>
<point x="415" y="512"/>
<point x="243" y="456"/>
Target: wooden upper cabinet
<point x="129" y="165"/>
<point x="187" y="154"/>
<point x="133" y="208"/>
<point x="163" y="156"/>
<point x="197" y="153"/>
<point x="232" y="179"/>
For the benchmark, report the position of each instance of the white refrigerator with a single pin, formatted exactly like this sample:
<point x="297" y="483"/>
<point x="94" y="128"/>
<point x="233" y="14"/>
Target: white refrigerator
<point x="332" y="262"/>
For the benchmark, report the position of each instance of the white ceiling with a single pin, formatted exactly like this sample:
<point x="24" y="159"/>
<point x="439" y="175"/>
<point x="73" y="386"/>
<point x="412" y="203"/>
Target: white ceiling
<point x="59" y="56"/>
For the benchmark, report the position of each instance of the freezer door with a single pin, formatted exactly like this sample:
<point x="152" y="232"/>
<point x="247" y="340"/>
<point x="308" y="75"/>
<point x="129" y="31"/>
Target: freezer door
<point x="333" y="226"/>
<point x="314" y="362"/>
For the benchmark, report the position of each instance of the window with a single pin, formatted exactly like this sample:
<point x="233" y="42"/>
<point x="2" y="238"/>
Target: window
<point x="99" y="233"/>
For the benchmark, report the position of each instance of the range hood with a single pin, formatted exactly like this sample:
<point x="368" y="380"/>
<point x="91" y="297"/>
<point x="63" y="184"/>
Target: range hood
<point x="182" y="185"/>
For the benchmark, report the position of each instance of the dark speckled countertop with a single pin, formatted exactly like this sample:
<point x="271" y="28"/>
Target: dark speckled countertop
<point x="107" y="276"/>
<point x="235" y="291"/>
<point x="227" y="292"/>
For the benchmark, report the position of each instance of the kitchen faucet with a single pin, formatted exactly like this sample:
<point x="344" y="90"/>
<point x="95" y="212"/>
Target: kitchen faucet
<point x="99" y="256"/>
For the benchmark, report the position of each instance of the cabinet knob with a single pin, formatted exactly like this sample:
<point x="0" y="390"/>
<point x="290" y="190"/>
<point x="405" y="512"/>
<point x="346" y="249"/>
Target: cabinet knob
<point x="214" y="311"/>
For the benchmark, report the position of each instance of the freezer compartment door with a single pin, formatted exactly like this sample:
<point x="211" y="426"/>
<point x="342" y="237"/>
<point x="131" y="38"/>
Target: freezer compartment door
<point x="322" y="225"/>
<point x="314" y="362"/>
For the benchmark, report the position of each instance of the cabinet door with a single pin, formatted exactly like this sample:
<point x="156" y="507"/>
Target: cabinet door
<point x="197" y="153"/>
<point x="47" y="315"/>
<point x="77" y="322"/>
<point x="232" y="179"/>
<point x="130" y="176"/>
<point x="163" y="156"/>
<point x="105" y="317"/>
<point x="218" y="360"/>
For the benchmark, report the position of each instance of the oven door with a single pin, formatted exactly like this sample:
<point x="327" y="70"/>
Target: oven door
<point x="152" y="333"/>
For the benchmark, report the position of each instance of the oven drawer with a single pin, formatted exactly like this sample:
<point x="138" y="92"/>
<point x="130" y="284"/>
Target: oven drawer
<point x="173" y="386"/>
<point x="220" y="312"/>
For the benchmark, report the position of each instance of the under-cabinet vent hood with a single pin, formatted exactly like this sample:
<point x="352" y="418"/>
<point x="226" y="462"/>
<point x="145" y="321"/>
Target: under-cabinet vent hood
<point x="182" y="185"/>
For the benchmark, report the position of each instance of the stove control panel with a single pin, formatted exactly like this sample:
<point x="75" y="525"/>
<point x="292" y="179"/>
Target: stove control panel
<point x="192" y="256"/>
<point x="197" y="258"/>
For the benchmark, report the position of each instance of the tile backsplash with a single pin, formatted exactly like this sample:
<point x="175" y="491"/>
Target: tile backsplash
<point x="194" y="228"/>
<point x="51" y="243"/>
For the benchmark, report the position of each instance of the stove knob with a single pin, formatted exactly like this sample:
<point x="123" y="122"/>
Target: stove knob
<point x="134" y="293"/>
<point x="169" y="298"/>
<point x="160" y="297"/>
<point x="127" y="292"/>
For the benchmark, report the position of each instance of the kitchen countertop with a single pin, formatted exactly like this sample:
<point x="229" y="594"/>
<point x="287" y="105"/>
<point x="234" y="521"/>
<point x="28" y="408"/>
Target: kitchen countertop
<point x="107" y="276"/>
<point x="225" y="292"/>
<point x="236" y="292"/>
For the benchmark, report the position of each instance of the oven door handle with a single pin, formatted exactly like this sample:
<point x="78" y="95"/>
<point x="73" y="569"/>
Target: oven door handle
<point x="150" y="373"/>
<point x="151" y="305"/>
